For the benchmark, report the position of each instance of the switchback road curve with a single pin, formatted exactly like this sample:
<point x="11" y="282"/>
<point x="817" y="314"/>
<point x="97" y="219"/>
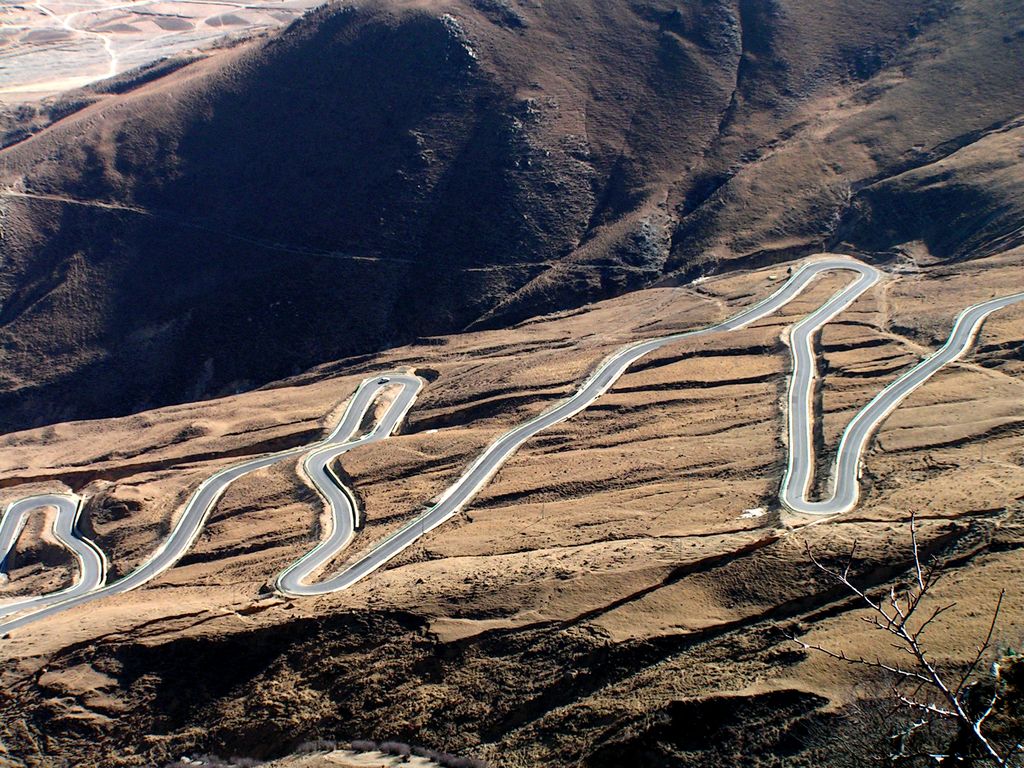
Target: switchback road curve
<point x="201" y="503"/>
<point x="92" y="565"/>
<point x="845" y="490"/>
<point x="296" y="580"/>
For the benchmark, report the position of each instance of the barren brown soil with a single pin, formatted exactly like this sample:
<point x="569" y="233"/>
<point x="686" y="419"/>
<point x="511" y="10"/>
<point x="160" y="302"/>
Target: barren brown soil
<point x="604" y="601"/>
<point x="201" y="259"/>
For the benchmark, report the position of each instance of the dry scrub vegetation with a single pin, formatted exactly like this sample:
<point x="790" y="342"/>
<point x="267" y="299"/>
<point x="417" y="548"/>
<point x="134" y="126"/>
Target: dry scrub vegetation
<point x="967" y="715"/>
<point x="605" y="596"/>
<point x="498" y="195"/>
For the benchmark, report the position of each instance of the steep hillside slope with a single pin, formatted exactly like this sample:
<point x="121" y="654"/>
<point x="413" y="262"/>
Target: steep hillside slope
<point x="623" y="592"/>
<point x="376" y="173"/>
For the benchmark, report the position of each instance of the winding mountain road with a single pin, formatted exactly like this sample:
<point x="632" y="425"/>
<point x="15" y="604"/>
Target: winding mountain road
<point x="845" y="490"/>
<point x="204" y="498"/>
<point x="297" y="579"/>
<point x="92" y="565"/>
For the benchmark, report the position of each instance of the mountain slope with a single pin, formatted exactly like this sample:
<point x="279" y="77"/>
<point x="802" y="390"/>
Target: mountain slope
<point x="623" y="592"/>
<point x="371" y="175"/>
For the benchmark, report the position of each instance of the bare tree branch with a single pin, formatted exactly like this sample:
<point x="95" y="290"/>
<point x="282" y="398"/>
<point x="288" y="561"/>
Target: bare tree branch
<point x="922" y="687"/>
<point x="849" y="560"/>
<point x="914" y="704"/>
<point x="878" y="664"/>
<point x="985" y="645"/>
<point x="935" y="614"/>
<point x="917" y="556"/>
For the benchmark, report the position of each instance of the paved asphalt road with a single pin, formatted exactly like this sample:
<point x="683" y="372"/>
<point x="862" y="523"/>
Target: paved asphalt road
<point x="846" y="468"/>
<point x="481" y="470"/>
<point x="296" y="579"/>
<point x="92" y="566"/>
<point x="203" y="499"/>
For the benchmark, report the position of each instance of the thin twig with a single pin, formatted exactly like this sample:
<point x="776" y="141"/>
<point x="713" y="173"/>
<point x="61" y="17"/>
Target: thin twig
<point x="877" y="663"/>
<point x="917" y="558"/>
<point x="893" y="615"/>
<point x="986" y="644"/>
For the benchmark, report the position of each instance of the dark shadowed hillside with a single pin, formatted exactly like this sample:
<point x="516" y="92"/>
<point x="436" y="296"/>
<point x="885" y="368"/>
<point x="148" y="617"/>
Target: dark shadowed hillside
<point x="369" y="176"/>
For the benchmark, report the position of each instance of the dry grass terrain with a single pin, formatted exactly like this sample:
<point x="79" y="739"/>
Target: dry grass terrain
<point x="605" y="588"/>
<point x="200" y="259"/>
